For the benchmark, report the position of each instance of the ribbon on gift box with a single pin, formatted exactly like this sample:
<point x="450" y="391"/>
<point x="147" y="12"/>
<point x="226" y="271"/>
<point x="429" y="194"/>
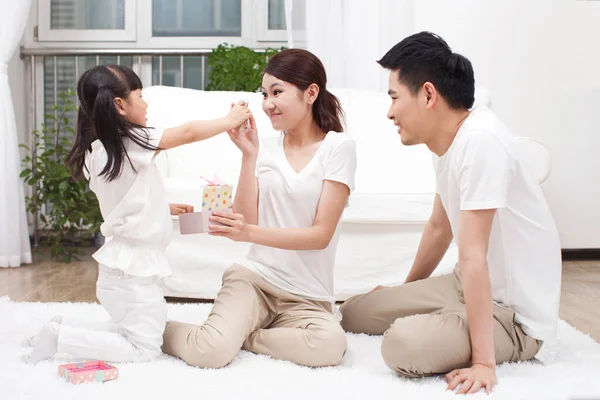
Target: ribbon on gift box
<point x="216" y="181"/>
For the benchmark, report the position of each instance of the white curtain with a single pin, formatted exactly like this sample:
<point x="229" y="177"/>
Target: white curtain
<point x="349" y="36"/>
<point x="14" y="235"/>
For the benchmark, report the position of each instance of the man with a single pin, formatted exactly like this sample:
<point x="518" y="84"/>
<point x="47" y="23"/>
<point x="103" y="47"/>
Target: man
<point x="502" y="300"/>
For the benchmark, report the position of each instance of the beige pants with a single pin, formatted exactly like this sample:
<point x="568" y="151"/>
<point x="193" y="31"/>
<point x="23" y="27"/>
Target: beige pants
<point x="251" y="314"/>
<point x="425" y="328"/>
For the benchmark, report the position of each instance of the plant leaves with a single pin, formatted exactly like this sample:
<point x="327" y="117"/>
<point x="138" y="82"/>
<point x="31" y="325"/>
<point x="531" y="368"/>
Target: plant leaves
<point x="237" y="68"/>
<point x="67" y="208"/>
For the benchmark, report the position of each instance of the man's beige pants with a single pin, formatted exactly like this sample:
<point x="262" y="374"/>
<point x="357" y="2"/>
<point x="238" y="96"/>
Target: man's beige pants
<point x="251" y="314"/>
<point x="425" y="328"/>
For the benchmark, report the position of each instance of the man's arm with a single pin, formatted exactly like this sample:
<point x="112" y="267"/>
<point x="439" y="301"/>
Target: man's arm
<point x="434" y="243"/>
<point x="474" y="237"/>
<point x="475" y="228"/>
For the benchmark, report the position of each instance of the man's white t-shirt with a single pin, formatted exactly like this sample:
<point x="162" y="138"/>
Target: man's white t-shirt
<point x="289" y="199"/>
<point x="137" y="221"/>
<point x="481" y="170"/>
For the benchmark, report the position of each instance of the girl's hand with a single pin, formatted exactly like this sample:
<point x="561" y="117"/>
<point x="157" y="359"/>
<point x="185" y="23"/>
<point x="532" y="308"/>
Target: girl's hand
<point x="177" y="209"/>
<point x="245" y="137"/>
<point x="239" y="114"/>
<point x="235" y="226"/>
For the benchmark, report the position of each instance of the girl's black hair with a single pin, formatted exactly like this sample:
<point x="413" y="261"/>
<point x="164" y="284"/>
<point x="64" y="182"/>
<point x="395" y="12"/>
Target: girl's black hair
<point x="98" y="118"/>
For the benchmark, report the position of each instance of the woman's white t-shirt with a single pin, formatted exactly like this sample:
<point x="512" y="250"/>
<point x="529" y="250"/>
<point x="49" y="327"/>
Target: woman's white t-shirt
<point x="289" y="199"/>
<point x="137" y="222"/>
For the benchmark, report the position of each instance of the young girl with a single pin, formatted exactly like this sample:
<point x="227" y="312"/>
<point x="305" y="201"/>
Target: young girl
<point x="289" y="201"/>
<point x="116" y="152"/>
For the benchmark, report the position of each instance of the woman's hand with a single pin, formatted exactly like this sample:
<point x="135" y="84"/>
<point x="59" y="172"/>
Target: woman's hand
<point x="245" y="137"/>
<point x="177" y="209"/>
<point x="234" y="226"/>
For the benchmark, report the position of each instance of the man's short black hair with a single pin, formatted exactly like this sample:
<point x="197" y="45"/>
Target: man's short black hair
<point x="426" y="57"/>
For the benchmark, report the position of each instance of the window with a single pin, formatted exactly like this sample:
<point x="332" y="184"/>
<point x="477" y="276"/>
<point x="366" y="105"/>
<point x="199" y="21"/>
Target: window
<point x="184" y="71"/>
<point x="196" y="18"/>
<point x="271" y="17"/>
<point x="276" y="15"/>
<point x="145" y="24"/>
<point x="87" y="20"/>
<point x="102" y="14"/>
<point x="154" y="23"/>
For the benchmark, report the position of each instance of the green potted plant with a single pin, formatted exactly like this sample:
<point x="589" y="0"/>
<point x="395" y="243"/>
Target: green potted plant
<point x="237" y="68"/>
<point x="68" y="211"/>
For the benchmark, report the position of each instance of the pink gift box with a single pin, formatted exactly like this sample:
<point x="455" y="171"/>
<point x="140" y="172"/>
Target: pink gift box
<point x="197" y="222"/>
<point x="89" y="371"/>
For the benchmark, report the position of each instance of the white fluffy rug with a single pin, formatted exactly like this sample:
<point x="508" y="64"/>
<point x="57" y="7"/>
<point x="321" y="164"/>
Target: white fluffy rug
<point x="566" y="369"/>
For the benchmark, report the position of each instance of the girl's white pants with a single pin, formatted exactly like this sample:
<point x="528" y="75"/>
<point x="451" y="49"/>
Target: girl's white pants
<point x="138" y="314"/>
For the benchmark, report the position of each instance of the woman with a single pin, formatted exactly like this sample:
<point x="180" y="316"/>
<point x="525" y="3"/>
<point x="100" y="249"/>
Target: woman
<point x="290" y="197"/>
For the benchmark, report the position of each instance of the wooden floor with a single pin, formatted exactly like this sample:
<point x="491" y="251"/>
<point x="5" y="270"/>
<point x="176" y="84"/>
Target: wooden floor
<point x="48" y="281"/>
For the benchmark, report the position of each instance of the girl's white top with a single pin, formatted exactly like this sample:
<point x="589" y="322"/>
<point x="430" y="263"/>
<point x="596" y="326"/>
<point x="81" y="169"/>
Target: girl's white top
<point x="137" y="222"/>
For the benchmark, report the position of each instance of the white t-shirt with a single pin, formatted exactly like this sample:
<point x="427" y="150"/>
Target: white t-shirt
<point x="481" y="170"/>
<point x="137" y="221"/>
<point x="288" y="199"/>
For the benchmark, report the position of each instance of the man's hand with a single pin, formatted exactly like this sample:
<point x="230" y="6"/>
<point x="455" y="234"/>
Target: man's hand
<point x="472" y="379"/>
<point x="177" y="209"/>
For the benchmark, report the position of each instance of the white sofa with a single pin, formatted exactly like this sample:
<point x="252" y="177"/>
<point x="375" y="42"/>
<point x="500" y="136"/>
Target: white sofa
<point x="380" y="230"/>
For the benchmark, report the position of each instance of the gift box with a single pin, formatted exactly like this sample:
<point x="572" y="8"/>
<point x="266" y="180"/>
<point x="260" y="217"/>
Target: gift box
<point x="216" y="196"/>
<point x="89" y="371"/>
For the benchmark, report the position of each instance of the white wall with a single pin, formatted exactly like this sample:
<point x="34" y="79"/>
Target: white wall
<point x="350" y="35"/>
<point x="540" y="59"/>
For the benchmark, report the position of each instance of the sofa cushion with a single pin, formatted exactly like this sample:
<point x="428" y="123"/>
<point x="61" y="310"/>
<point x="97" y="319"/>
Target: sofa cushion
<point x="394" y="183"/>
<point x="408" y="209"/>
<point x="384" y="165"/>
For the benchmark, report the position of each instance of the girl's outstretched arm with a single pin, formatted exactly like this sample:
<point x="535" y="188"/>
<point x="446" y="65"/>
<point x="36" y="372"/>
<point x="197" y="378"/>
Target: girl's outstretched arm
<point x="195" y="131"/>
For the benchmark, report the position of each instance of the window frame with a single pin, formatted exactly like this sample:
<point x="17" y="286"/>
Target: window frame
<point x="263" y="33"/>
<point x="47" y="34"/>
<point x="36" y="38"/>
<point x="138" y="31"/>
